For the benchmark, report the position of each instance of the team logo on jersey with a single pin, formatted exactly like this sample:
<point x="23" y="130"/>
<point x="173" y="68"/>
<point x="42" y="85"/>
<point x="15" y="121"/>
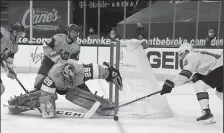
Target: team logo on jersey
<point x="185" y="62"/>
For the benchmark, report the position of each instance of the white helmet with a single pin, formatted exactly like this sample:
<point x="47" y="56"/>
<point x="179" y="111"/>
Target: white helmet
<point x="184" y="49"/>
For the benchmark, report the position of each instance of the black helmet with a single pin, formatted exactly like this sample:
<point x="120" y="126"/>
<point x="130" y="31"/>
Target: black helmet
<point x="16" y="26"/>
<point x="73" y="27"/>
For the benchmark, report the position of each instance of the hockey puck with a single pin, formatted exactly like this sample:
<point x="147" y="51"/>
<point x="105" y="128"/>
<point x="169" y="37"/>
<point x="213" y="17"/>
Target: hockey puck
<point x="116" y="118"/>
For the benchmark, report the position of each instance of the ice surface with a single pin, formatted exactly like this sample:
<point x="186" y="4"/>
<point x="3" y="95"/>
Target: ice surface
<point x="182" y="101"/>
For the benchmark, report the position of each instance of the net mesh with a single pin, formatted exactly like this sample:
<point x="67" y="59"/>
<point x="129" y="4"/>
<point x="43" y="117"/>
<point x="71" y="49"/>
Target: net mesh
<point x="139" y="81"/>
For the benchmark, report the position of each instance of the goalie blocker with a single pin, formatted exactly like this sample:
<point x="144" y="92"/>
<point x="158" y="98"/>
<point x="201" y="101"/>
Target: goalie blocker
<point x="67" y="76"/>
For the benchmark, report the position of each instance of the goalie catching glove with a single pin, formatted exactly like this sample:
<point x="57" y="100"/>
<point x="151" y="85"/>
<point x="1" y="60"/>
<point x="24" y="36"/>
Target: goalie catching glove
<point x="167" y="87"/>
<point x="114" y="76"/>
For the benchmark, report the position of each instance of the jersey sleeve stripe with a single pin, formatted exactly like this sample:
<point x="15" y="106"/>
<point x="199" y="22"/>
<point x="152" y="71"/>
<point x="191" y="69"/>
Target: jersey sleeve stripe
<point x="48" y="89"/>
<point x="186" y="73"/>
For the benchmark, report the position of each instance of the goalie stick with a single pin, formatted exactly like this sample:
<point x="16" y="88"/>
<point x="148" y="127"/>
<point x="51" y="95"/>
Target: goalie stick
<point x="74" y="114"/>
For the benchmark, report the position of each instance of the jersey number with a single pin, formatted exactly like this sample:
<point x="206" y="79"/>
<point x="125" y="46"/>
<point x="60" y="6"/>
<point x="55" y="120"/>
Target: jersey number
<point x="88" y="72"/>
<point x="64" y="54"/>
<point x="48" y="81"/>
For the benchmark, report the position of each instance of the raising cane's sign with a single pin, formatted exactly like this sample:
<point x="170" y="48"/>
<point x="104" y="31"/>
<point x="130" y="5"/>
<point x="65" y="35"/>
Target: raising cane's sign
<point x="42" y="18"/>
<point x="46" y="18"/>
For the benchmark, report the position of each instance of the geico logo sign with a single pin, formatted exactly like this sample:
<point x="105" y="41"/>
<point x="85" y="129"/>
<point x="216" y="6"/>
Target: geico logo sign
<point x="34" y="40"/>
<point x="168" y="60"/>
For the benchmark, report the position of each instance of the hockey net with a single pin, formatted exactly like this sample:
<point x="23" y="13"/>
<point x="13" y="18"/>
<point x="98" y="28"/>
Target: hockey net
<point x="139" y="81"/>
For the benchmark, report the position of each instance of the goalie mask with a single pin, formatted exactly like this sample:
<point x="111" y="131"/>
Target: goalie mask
<point x="69" y="72"/>
<point x="184" y="49"/>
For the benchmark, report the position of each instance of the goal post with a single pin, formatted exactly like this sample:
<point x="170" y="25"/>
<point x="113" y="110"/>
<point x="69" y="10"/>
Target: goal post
<point x="138" y="81"/>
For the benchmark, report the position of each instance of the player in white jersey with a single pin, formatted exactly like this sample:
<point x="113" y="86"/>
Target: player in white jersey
<point x="209" y="74"/>
<point x="9" y="47"/>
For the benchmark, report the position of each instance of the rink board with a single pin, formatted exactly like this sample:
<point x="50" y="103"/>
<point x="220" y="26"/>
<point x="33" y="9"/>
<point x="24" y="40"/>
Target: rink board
<point x="164" y="61"/>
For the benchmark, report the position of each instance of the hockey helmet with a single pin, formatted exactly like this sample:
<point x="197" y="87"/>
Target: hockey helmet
<point x="184" y="49"/>
<point x="16" y="26"/>
<point x="73" y="27"/>
<point x="69" y="72"/>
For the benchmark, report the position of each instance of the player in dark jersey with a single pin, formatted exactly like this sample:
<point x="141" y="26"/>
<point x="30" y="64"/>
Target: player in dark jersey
<point x="61" y="47"/>
<point x="9" y="47"/>
<point x="68" y="75"/>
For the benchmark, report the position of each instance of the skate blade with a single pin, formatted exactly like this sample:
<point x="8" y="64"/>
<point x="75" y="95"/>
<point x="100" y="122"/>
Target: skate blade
<point x="208" y="121"/>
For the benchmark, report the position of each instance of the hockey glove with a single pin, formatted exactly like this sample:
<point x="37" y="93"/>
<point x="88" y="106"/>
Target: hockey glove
<point x="167" y="87"/>
<point x="115" y="77"/>
<point x="197" y="77"/>
<point x="11" y="72"/>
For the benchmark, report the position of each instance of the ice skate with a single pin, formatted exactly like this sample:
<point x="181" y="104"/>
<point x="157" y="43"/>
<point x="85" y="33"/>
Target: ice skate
<point x="207" y="117"/>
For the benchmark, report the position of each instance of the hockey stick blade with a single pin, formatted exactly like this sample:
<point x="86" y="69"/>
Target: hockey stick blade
<point x="87" y="115"/>
<point x="58" y="112"/>
<point x="92" y="110"/>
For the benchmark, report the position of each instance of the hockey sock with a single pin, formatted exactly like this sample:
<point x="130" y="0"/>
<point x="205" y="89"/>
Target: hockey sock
<point x="203" y="99"/>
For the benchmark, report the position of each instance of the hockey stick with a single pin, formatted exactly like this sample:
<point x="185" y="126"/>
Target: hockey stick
<point x="78" y="114"/>
<point x="65" y="112"/>
<point x="112" y="108"/>
<point x="20" y="83"/>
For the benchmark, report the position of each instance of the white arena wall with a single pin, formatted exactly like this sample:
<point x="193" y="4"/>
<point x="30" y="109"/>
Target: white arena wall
<point x="28" y="58"/>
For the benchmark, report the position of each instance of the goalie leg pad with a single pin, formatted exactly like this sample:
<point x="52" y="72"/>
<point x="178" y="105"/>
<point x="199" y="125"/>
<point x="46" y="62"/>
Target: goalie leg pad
<point x="47" y="106"/>
<point x="87" y="99"/>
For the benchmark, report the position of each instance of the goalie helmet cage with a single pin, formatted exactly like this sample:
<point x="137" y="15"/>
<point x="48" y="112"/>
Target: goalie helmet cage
<point x="138" y="81"/>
